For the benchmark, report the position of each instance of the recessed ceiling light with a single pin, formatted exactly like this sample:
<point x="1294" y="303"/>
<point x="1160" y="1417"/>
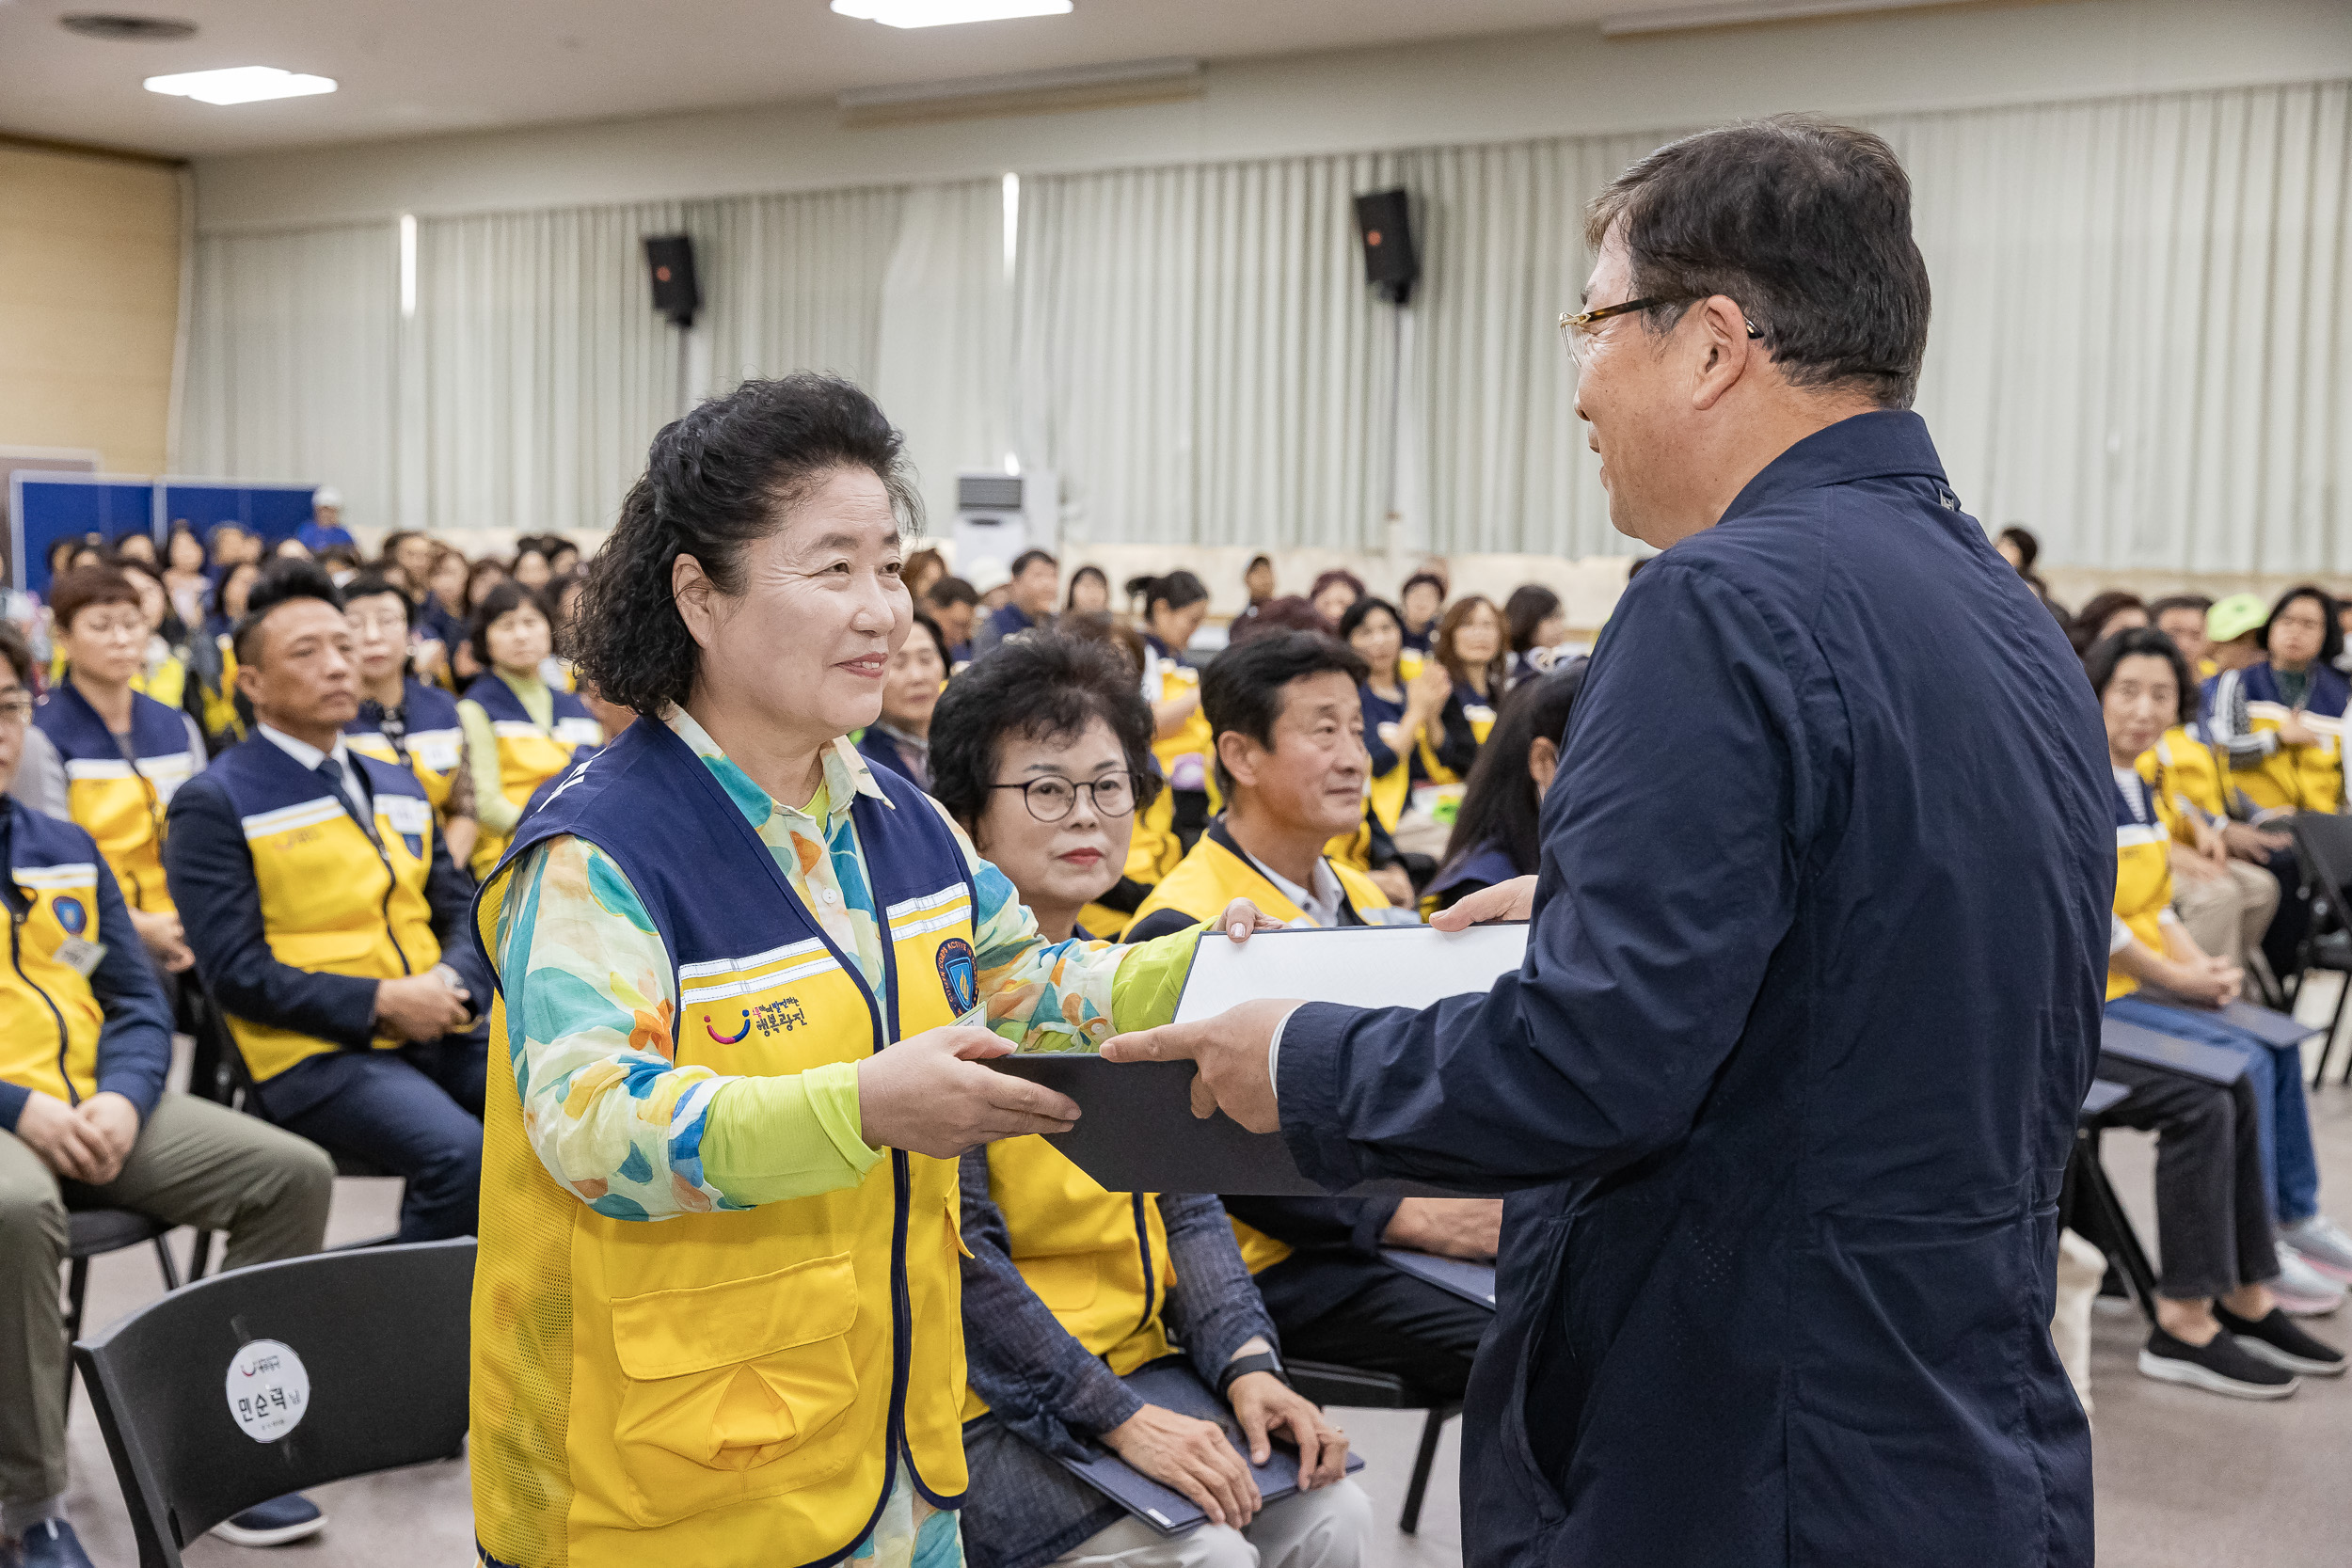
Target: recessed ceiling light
<point x="139" y="29"/>
<point x="946" y="13"/>
<point x="240" y="84"/>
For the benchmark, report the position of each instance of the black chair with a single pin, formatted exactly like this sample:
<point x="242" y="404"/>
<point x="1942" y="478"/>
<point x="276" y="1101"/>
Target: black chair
<point x="1326" y="1384"/>
<point x="2323" y="846"/>
<point x="94" y="1232"/>
<point x="2088" y="1207"/>
<point x="382" y="1335"/>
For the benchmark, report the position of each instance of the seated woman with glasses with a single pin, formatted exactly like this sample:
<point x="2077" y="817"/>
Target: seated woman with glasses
<point x="1042" y="750"/>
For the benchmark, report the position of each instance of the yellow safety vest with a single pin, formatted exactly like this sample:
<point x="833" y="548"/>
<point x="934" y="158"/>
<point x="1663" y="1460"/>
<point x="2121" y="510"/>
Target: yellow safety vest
<point x="717" y="1389"/>
<point x="332" y="903"/>
<point x="1099" y="1260"/>
<point x="1213" y="877"/>
<point x="49" y="1017"/>
<point x="2143" y="881"/>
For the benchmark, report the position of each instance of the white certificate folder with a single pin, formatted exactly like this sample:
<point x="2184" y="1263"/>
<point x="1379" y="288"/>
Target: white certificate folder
<point x="1137" y="1133"/>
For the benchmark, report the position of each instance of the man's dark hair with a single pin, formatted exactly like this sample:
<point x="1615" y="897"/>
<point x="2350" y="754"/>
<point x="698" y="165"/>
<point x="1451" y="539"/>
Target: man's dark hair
<point x="1242" y="688"/>
<point x="2332" y="643"/>
<point x="1046" y="686"/>
<point x="374" y="581"/>
<point x="1499" y="802"/>
<point x="2105" y="654"/>
<point x="281" y="581"/>
<point x="1027" y="559"/>
<point x="2197" y="602"/>
<point x="1806" y="224"/>
<point x="726" y="474"/>
<point x="19" y="653"/>
<point x="2101" y="608"/>
<point x="951" y="591"/>
<point x="79" y="588"/>
<point x="507" y="596"/>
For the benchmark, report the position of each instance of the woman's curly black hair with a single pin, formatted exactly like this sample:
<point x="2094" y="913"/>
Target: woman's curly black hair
<point x="715" y="481"/>
<point x="1047" y="687"/>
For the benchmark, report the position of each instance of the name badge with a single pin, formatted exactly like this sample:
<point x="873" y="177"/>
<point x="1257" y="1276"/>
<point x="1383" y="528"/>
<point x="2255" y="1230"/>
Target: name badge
<point x="81" y="954"/>
<point x="406" y="814"/>
<point x="440" y="755"/>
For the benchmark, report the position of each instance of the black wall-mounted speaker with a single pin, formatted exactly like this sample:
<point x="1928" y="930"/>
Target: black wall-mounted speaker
<point x="1384" y="221"/>
<point x="670" y="257"/>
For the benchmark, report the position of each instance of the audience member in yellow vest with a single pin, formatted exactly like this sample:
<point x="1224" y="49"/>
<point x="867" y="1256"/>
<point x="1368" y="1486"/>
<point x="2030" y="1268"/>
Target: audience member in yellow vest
<point x="2181" y="618"/>
<point x="1173" y="608"/>
<point x="740" y="977"/>
<point x="86" y="1123"/>
<point x="2233" y="630"/>
<point x="328" y="920"/>
<point x="1400" y="712"/>
<point x="1291" y="761"/>
<point x="404" y="721"/>
<point x="1498" y="834"/>
<point x="163" y="670"/>
<point x="1047" y="787"/>
<point x="106" y="757"/>
<point x="520" y="732"/>
<point x="1470" y="647"/>
<point x="2222" y="885"/>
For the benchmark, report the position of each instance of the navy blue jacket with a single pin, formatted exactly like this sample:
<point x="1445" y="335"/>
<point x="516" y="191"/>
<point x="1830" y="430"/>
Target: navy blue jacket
<point x="1811" y="997"/>
<point x="134" y="1042"/>
<point x="210" y="867"/>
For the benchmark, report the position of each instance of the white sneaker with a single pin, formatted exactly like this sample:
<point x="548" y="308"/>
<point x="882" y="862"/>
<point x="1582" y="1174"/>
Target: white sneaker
<point x="2321" y="1244"/>
<point x="2303" y="1291"/>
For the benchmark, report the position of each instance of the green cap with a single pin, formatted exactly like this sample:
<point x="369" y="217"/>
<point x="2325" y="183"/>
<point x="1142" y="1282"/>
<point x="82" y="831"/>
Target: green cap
<point x="2234" y="617"/>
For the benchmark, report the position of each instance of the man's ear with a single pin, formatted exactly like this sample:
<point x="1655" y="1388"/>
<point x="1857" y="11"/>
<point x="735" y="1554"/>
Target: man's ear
<point x="1727" y="352"/>
<point x="1240" y="754"/>
<point x="248" y="681"/>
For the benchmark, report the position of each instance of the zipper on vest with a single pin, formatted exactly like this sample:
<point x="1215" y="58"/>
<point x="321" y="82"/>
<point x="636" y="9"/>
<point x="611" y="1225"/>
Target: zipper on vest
<point x="65" y="1045"/>
<point x="1143" y="1250"/>
<point x="391" y="884"/>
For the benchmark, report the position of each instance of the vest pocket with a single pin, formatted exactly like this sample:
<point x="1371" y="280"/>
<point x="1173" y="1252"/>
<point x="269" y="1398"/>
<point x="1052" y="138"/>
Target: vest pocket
<point x="727" y="1389"/>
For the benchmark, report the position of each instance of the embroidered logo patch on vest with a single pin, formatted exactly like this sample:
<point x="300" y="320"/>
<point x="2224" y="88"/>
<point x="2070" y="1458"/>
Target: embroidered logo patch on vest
<point x="958" y="976"/>
<point x="71" y="914"/>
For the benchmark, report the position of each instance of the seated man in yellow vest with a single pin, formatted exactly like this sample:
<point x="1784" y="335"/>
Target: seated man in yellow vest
<point x="329" y="921"/>
<point x="1288" y="728"/>
<point x="86" y="1123"/>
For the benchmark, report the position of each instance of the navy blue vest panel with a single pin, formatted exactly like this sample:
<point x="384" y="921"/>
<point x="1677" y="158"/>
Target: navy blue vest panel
<point x="260" y="778"/>
<point x="2326" y="696"/>
<point x="499" y="700"/>
<point x="657" y="811"/>
<point x="75" y="728"/>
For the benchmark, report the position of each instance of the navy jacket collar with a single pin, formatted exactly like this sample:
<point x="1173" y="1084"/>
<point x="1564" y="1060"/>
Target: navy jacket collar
<point x="1886" y="443"/>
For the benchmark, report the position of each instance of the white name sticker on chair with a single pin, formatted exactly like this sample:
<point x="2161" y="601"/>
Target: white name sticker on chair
<point x="269" y="1388"/>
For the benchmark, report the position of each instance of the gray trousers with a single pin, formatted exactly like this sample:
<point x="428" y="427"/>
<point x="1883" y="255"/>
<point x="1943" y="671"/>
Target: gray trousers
<point x="195" y="1164"/>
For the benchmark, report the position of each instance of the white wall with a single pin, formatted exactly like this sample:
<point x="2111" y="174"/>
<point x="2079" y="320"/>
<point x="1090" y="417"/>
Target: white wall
<point x="1546" y="83"/>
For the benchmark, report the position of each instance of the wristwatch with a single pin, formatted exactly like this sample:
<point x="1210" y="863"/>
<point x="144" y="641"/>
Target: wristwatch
<point x="1259" y="1361"/>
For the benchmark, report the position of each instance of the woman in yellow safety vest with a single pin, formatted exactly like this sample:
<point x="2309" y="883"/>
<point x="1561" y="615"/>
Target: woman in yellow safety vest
<point x="1173" y="608"/>
<point x="738" y="978"/>
<point x="520" y="731"/>
<point x="1400" y="710"/>
<point x="1470" y="645"/>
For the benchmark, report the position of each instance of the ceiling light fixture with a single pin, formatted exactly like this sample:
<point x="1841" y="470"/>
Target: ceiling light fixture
<point x="946" y="13"/>
<point x="241" y="83"/>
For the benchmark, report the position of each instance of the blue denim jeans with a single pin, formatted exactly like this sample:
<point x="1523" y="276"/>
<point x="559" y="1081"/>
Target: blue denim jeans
<point x="2290" y="1164"/>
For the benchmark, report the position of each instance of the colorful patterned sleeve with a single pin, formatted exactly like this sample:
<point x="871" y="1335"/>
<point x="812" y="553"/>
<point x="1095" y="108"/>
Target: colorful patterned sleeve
<point x="1064" y="995"/>
<point x="590" y="994"/>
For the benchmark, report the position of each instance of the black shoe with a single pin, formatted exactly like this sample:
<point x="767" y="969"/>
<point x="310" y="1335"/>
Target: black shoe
<point x="2279" y="1340"/>
<point x="2218" y="1366"/>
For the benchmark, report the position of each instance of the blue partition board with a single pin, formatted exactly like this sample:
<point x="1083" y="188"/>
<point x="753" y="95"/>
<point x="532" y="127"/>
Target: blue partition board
<point x="272" y="511"/>
<point x="43" y="509"/>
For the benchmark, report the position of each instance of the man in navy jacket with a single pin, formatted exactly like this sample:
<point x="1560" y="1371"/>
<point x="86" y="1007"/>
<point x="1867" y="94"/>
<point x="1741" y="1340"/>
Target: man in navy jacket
<point x="1786" y="1087"/>
<point x="373" y="1047"/>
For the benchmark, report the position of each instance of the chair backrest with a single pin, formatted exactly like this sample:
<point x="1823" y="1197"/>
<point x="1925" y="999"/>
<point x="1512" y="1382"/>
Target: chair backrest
<point x="2324" y="842"/>
<point x="273" y="1378"/>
